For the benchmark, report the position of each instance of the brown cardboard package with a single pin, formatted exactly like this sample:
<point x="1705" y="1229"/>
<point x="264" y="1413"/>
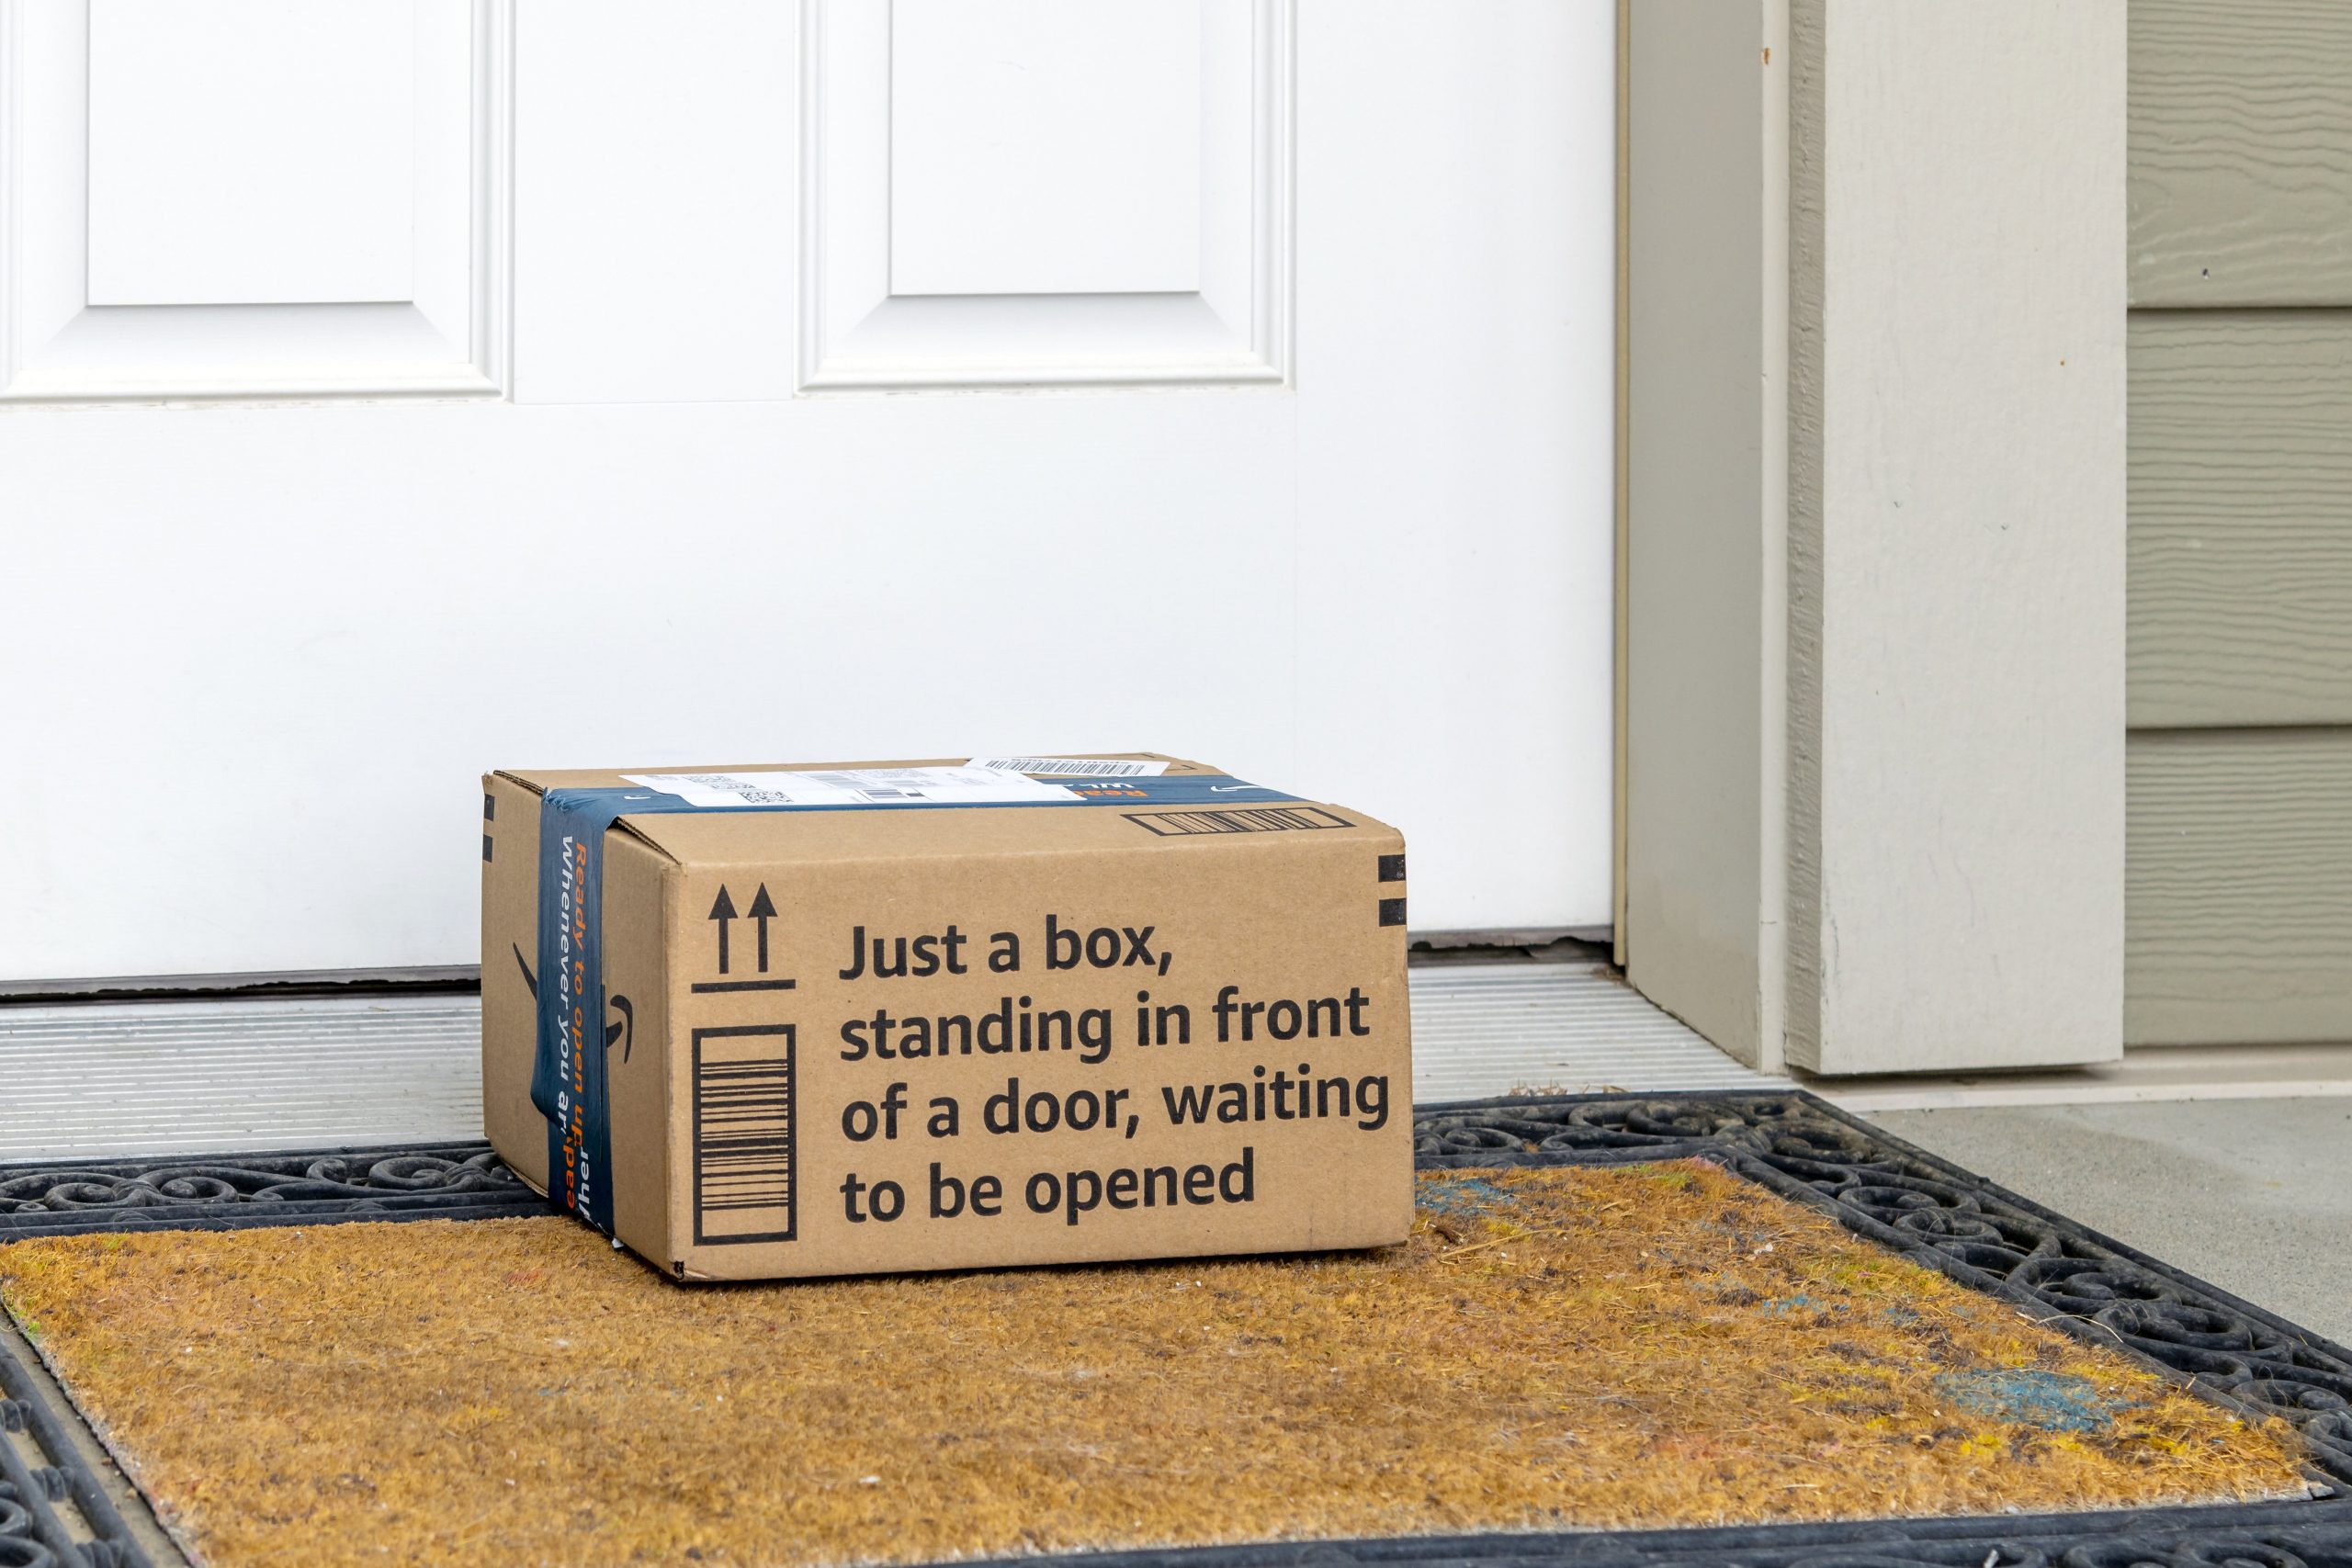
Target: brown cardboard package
<point x="879" y="1017"/>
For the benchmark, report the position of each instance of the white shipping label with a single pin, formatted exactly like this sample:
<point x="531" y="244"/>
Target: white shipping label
<point x="854" y="786"/>
<point x="1074" y="767"/>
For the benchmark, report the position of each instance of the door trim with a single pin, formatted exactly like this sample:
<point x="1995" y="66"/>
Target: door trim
<point x="1873" y="549"/>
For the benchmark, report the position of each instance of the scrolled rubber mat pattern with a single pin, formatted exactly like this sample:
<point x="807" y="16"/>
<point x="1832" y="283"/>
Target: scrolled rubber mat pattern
<point x="437" y="1181"/>
<point x="53" y="1512"/>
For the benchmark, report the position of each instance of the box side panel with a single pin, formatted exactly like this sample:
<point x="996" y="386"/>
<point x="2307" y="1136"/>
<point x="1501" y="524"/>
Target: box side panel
<point x="1197" y="1051"/>
<point x="510" y="938"/>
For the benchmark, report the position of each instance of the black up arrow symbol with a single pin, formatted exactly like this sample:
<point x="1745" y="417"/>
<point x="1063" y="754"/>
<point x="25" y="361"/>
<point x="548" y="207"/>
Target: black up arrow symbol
<point x="762" y="911"/>
<point x="723" y="911"/>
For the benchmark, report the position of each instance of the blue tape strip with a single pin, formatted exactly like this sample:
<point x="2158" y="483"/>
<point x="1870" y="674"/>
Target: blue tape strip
<point x="568" y="1082"/>
<point x="568" y="1072"/>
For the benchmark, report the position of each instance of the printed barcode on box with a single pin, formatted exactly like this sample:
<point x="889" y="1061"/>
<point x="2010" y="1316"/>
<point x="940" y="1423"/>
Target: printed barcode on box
<point x="743" y="1154"/>
<point x="1073" y="767"/>
<point x="1236" y="819"/>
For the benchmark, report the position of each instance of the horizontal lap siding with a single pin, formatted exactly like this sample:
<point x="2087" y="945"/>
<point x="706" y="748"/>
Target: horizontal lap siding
<point x="2240" y="517"/>
<point x="2238" y="903"/>
<point x="2241" y="152"/>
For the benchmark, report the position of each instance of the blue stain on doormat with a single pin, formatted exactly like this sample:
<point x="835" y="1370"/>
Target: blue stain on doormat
<point x="1459" y="1197"/>
<point x="2055" y="1402"/>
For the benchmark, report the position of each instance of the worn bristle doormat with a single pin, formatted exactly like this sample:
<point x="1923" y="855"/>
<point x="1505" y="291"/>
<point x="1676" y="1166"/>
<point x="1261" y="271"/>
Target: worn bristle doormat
<point x="1626" y="1333"/>
<point x="1637" y="1346"/>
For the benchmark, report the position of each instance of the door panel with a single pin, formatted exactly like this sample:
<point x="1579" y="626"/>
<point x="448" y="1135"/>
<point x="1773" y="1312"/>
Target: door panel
<point x="198" y="194"/>
<point x="1042" y="146"/>
<point x="254" y="198"/>
<point x="1044" y="193"/>
<point x="1333" y="510"/>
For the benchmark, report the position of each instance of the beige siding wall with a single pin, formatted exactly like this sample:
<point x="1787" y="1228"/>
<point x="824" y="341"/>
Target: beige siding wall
<point x="2238" y="912"/>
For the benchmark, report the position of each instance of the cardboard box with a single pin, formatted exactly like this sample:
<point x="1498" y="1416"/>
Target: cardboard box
<point x="858" y="1018"/>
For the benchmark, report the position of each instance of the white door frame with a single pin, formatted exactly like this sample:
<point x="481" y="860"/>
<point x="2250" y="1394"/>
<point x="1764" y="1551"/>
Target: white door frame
<point x="1871" y="670"/>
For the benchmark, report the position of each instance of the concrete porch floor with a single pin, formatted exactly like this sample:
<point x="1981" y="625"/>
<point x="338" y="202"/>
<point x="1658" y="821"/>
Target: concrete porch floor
<point x="2254" y="1195"/>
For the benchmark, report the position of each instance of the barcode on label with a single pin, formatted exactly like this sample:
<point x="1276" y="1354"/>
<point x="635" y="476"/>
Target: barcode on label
<point x="744" y="1150"/>
<point x="881" y="784"/>
<point x="1073" y="767"/>
<point x="750" y="797"/>
<point x="835" y="787"/>
<point x="1241" y="820"/>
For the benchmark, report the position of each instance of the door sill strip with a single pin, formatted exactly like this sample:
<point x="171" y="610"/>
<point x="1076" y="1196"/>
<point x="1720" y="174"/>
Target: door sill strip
<point x="95" y="1080"/>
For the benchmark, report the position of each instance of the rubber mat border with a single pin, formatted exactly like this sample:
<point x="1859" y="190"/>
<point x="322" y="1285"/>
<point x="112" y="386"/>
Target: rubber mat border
<point x="54" y="1509"/>
<point x="1877" y="1185"/>
<point x="231" y="1191"/>
<point x="2266" y="1535"/>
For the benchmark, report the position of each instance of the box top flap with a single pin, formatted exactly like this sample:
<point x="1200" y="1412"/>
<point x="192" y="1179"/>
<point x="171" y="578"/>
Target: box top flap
<point x="1082" y="814"/>
<point x="540" y="780"/>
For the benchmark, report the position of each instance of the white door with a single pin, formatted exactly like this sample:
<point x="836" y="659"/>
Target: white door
<point x="402" y="388"/>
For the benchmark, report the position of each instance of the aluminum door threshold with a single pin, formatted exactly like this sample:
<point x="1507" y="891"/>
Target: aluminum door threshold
<point x="98" y="1079"/>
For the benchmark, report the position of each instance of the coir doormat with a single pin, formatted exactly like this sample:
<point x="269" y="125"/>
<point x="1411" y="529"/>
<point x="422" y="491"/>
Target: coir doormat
<point x="1639" y="1345"/>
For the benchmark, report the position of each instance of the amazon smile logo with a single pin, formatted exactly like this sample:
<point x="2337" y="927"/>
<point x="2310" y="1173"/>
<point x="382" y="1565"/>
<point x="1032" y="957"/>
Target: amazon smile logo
<point x="622" y="1032"/>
